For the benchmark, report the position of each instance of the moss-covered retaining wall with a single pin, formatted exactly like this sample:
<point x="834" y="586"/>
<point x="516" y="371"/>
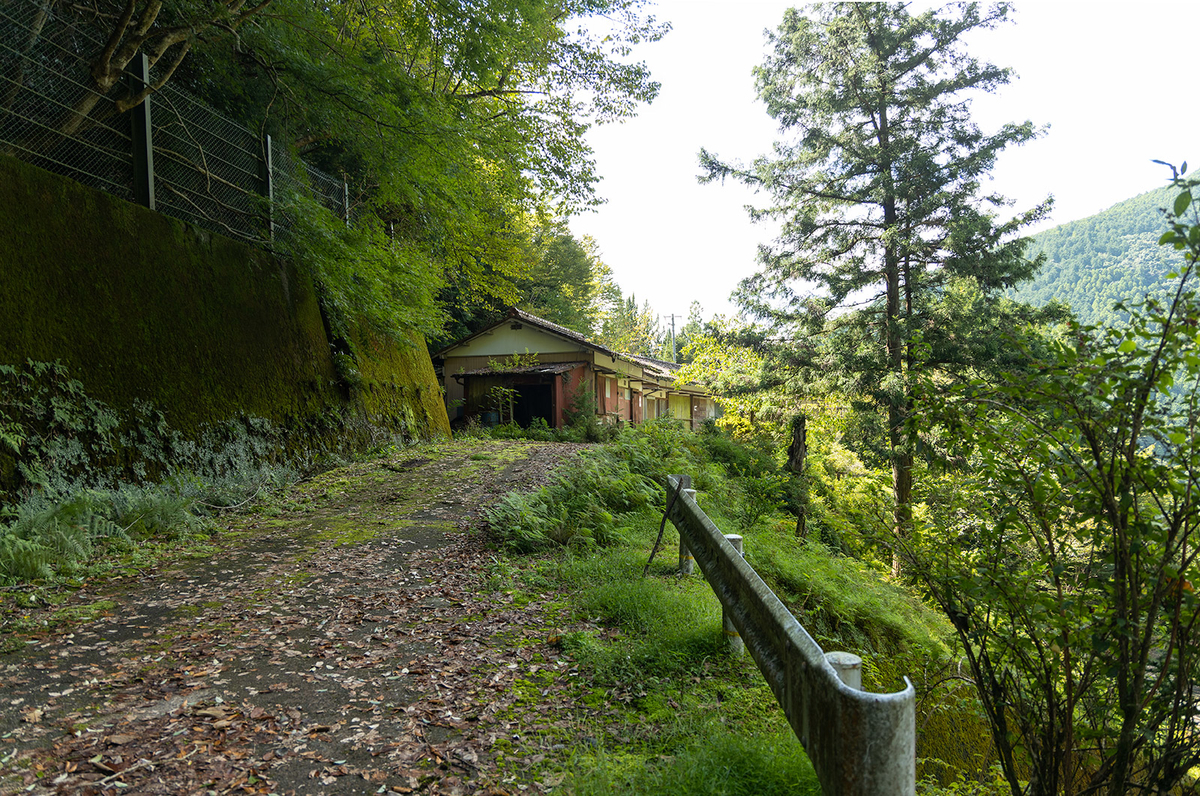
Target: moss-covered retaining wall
<point x="140" y="306"/>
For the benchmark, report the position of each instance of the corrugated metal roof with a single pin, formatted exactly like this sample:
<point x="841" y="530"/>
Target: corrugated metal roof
<point x="657" y="365"/>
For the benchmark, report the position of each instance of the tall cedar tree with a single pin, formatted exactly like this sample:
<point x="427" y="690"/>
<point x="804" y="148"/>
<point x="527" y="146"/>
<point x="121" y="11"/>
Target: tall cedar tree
<point x="877" y="185"/>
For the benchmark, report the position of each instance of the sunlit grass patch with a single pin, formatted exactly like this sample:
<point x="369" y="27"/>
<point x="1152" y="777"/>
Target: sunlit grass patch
<point x="717" y="760"/>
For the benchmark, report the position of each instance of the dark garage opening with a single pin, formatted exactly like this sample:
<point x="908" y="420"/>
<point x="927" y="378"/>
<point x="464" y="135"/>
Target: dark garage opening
<point x="533" y="400"/>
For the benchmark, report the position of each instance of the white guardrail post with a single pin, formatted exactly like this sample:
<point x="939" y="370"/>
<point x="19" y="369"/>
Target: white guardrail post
<point x="860" y="744"/>
<point x="687" y="564"/>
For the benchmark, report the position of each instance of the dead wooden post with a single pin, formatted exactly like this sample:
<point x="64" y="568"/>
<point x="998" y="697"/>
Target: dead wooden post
<point x="848" y="667"/>
<point x="737" y="647"/>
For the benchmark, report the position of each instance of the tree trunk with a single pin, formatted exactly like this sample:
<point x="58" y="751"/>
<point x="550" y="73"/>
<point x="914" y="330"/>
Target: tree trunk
<point x="902" y="493"/>
<point x="797" y="453"/>
<point x="798" y="449"/>
<point x="897" y="405"/>
<point x="35" y="33"/>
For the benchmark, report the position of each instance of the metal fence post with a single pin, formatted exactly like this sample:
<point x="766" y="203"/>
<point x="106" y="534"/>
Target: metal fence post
<point x="268" y="180"/>
<point x="737" y="647"/>
<point x="345" y="200"/>
<point x="143" y="136"/>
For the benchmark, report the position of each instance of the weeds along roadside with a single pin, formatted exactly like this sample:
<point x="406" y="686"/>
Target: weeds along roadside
<point x="85" y="492"/>
<point x="698" y="721"/>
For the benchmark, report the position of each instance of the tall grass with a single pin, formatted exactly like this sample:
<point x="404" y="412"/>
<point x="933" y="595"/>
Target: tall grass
<point x="668" y="626"/>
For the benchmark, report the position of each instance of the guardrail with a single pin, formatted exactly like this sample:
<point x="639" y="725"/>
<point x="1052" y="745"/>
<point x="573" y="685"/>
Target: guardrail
<point x="860" y="744"/>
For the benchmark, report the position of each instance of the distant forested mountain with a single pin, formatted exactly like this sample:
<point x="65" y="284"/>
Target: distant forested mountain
<point x="1093" y="263"/>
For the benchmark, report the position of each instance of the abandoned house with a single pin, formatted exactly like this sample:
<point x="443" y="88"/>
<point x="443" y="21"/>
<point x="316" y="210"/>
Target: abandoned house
<point x="525" y="367"/>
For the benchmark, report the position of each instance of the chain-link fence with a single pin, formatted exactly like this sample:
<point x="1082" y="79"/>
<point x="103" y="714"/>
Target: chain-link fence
<point x="207" y="169"/>
<point x="201" y="167"/>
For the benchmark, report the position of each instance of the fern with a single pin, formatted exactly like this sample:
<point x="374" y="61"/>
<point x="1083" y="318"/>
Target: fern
<point x="24" y="560"/>
<point x="67" y="460"/>
<point x="101" y="528"/>
<point x="58" y="539"/>
<point x="70" y="543"/>
<point x="12" y="435"/>
<point x="155" y="512"/>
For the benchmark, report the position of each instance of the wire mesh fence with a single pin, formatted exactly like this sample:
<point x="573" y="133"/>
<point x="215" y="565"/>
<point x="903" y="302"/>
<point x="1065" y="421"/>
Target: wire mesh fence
<point x="206" y="169"/>
<point x="292" y="176"/>
<point x="50" y="115"/>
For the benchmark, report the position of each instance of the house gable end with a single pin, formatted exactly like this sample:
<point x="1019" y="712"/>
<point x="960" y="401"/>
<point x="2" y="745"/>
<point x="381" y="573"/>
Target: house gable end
<point x="502" y="341"/>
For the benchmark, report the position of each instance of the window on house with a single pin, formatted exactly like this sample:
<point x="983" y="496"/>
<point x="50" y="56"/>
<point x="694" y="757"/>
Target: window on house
<point x="608" y="388"/>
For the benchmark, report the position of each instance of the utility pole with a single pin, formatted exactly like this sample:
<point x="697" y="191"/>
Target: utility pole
<point x="673" y="357"/>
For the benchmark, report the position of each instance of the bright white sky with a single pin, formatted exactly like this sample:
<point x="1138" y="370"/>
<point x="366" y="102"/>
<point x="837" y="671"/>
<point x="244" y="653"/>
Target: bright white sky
<point x="1114" y="81"/>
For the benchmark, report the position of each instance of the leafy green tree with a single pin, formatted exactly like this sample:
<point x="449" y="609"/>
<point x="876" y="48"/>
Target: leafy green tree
<point x="453" y="123"/>
<point x="562" y="284"/>
<point x="627" y="329"/>
<point x="733" y="372"/>
<point x="163" y="30"/>
<point x="1094" y="263"/>
<point x="886" y="239"/>
<point x="1068" y="564"/>
<point x="456" y="121"/>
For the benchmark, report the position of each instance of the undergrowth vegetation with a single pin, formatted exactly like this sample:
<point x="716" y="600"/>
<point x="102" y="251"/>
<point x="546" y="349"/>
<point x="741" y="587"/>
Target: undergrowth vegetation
<point x="80" y="484"/>
<point x="706" y="723"/>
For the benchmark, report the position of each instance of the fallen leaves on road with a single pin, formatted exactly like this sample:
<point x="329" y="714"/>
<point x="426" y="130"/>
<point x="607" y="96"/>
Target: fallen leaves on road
<point x="308" y="656"/>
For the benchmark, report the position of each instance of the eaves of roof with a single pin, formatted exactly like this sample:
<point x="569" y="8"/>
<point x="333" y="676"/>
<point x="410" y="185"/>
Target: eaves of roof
<point x="550" y="368"/>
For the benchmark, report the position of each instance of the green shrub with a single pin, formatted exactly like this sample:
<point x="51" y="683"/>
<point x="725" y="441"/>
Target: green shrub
<point x="50" y="428"/>
<point x="622" y="477"/>
<point x="739" y="459"/>
<point x="57" y="539"/>
<point x="539" y="430"/>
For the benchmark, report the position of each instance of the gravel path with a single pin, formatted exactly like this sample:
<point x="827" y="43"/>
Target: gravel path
<point x="346" y="639"/>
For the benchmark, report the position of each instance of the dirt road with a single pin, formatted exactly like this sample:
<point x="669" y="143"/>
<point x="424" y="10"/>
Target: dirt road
<point x="347" y="638"/>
